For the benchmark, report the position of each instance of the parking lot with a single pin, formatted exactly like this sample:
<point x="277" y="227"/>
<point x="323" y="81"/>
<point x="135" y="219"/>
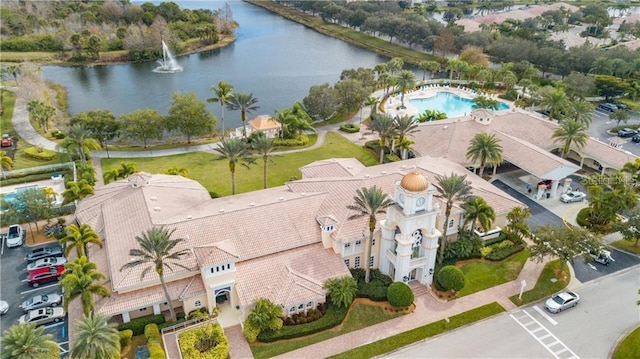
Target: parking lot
<point x="14" y="291"/>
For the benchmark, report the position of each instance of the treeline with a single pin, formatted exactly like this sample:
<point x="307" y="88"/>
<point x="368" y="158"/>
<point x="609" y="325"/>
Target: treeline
<point x="87" y="28"/>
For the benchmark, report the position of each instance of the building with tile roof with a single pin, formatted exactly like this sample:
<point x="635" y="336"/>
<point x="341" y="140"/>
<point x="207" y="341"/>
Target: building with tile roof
<point x="281" y="243"/>
<point x="264" y="123"/>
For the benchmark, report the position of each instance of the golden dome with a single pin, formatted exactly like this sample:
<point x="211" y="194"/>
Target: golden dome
<point x="414" y="182"/>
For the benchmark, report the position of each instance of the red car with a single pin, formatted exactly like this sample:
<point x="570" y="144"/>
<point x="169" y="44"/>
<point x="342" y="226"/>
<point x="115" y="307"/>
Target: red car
<point x="44" y="275"/>
<point x="546" y="183"/>
<point x="7" y="141"/>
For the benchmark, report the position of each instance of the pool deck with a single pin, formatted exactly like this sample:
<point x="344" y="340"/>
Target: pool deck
<point x="428" y="91"/>
<point x="57" y="186"/>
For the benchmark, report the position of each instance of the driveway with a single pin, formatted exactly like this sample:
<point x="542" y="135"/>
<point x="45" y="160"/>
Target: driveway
<point x="14" y="291"/>
<point x="539" y="214"/>
<point x="585" y="272"/>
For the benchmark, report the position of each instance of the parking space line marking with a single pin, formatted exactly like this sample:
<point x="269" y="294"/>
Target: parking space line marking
<point x="38" y="288"/>
<point x="544" y="315"/>
<point x="537" y="330"/>
<point x="561" y="351"/>
<point x="549" y="334"/>
<point x="53" y="325"/>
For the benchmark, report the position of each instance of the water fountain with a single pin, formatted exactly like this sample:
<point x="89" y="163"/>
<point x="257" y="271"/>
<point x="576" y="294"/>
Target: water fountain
<point x="168" y="64"/>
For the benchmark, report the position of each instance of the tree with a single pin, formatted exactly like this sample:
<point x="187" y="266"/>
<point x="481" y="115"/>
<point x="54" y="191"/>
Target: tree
<point x="342" y="291"/>
<point x="369" y="202"/>
<point x="234" y="150"/>
<point x="142" y="125"/>
<point x="26" y="341"/>
<point x="41" y="112"/>
<point x="452" y="189"/>
<point x="451" y="278"/>
<point x="485" y="148"/>
<point x="263" y="147"/>
<point x="322" y="102"/>
<point x="246" y="103"/>
<point x="79" y="237"/>
<point x="372" y="102"/>
<point x="189" y="116"/>
<point x="481" y="101"/>
<point x="223" y="93"/>
<point x="564" y="243"/>
<point x="264" y="316"/>
<point x="400" y="295"/>
<point x="611" y="86"/>
<point x="579" y="85"/>
<point x="619" y="115"/>
<point x="405" y="81"/>
<point x="79" y="280"/>
<point x="581" y="111"/>
<point x="555" y="101"/>
<point x="518" y="225"/>
<point x="383" y="124"/>
<point x="630" y="229"/>
<point x="176" y="171"/>
<point x="30" y="206"/>
<point x="125" y="170"/>
<point x="101" y="124"/>
<point x="352" y="93"/>
<point x="76" y="191"/>
<point x="474" y="55"/>
<point x="79" y="142"/>
<point x="157" y="249"/>
<point x="404" y="126"/>
<point x="95" y="338"/>
<point x="570" y="132"/>
<point x="478" y="211"/>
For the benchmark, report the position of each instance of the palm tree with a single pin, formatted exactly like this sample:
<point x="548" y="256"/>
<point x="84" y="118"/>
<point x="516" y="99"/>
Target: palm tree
<point x="79" y="280"/>
<point x="405" y="81"/>
<point x="156" y="249"/>
<point x="369" y="202"/>
<point x="176" y="171"/>
<point x="78" y="142"/>
<point x="477" y="210"/>
<point x="555" y="101"/>
<point x="246" y="103"/>
<point x="481" y="101"/>
<point x="342" y="291"/>
<point x="372" y="102"/>
<point x="404" y="125"/>
<point x="570" y="132"/>
<point x="26" y="341"/>
<point x="452" y="189"/>
<point x="224" y="92"/>
<point x="383" y="124"/>
<point x="234" y="150"/>
<point x="95" y="338"/>
<point x="263" y="146"/>
<point x="486" y="149"/>
<point x="581" y="111"/>
<point x="76" y="191"/>
<point x="79" y="237"/>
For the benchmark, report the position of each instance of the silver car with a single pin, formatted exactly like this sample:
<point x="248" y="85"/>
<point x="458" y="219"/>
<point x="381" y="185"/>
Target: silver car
<point x="4" y="307"/>
<point x="43" y="316"/>
<point x="47" y="262"/>
<point x="573" y="196"/>
<point x="41" y="301"/>
<point x="561" y="301"/>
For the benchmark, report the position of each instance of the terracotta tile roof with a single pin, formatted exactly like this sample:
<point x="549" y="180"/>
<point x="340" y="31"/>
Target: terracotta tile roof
<point x="220" y="252"/>
<point x="469" y="25"/>
<point x="290" y="277"/>
<point x="263" y="123"/>
<point x="539" y="10"/>
<point x="334" y="167"/>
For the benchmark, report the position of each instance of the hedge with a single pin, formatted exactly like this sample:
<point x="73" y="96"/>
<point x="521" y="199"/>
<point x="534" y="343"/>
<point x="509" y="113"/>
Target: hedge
<point x="350" y="128"/>
<point x="137" y="325"/>
<point x="125" y="338"/>
<point x="151" y="332"/>
<point x="499" y="253"/>
<point x="301" y="141"/>
<point x="333" y="317"/>
<point x="400" y="295"/>
<point x="376" y="289"/>
<point x="40" y="153"/>
<point x="155" y="350"/>
<point x="193" y="342"/>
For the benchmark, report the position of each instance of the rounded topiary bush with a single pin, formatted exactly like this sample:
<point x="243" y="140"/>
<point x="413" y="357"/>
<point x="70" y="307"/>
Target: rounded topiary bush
<point x="451" y="278"/>
<point x="583" y="217"/>
<point x="349" y="128"/>
<point x="399" y="295"/>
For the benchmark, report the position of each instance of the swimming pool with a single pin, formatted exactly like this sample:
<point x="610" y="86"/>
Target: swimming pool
<point x="449" y="103"/>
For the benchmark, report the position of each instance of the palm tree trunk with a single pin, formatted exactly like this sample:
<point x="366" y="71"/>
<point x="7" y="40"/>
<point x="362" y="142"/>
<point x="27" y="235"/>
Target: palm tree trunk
<point x="172" y="312"/>
<point x="264" y="180"/>
<point x="443" y="239"/>
<point x="481" y="171"/>
<point x="222" y="118"/>
<point x="243" y="117"/>
<point x="367" y="267"/>
<point x="233" y="183"/>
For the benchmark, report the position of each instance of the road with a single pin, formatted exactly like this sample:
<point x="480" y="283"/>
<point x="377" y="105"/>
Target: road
<point x="607" y="309"/>
<point x="601" y="124"/>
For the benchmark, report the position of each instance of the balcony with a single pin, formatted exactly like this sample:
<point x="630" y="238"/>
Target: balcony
<point x="489" y="234"/>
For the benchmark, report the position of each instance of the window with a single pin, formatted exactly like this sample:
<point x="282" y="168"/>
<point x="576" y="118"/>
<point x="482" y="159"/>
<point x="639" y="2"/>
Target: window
<point x="329" y="228"/>
<point x="358" y="242"/>
<point x="143" y="309"/>
<point x="372" y="260"/>
<point x="373" y="242"/>
<point x="451" y="223"/>
<point x="346" y="262"/>
<point x="348" y="245"/>
<point x="197" y="303"/>
<point x="228" y="266"/>
<point x="292" y="309"/>
<point x="357" y="262"/>
<point x="300" y="306"/>
<point x="310" y="304"/>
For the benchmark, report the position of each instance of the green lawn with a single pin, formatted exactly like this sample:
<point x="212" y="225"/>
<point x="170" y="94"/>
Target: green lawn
<point x="426" y="331"/>
<point x="627" y="246"/>
<point x="360" y="316"/>
<point x="544" y="287"/>
<point x="214" y="174"/>
<point x="630" y="346"/>
<point x="482" y="275"/>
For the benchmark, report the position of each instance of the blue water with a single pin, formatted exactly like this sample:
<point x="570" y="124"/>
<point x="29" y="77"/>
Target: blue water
<point x="449" y="103"/>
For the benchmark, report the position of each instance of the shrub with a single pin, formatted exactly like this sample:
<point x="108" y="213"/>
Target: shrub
<point x="499" y="251"/>
<point x="199" y="313"/>
<point x="137" y="325"/>
<point x="332" y="317"/>
<point x="125" y="338"/>
<point x="451" y="278"/>
<point x="349" y="128"/>
<point x="583" y="217"/>
<point x="400" y="295"/>
<point x="155" y="350"/>
<point x="180" y="316"/>
<point x="288" y="142"/>
<point x="151" y="332"/>
<point x="40" y="153"/>
<point x="206" y="342"/>
<point x="484" y="252"/>
<point x="391" y="157"/>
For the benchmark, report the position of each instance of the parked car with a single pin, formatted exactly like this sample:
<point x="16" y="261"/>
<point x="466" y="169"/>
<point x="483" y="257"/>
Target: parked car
<point x="607" y="106"/>
<point x="627" y="132"/>
<point x="573" y="196"/>
<point x="41" y="301"/>
<point x="47" y="262"/>
<point x="44" y="252"/>
<point x="636" y="138"/>
<point x="4" y="307"/>
<point x="602" y="256"/>
<point x="15" y="236"/>
<point x="7" y="141"/>
<point x="561" y="301"/>
<point x="43" y="316"/>
<point x="621" y="106"/>
<point x="546" y="183"/>
<point x="44" y="275"/>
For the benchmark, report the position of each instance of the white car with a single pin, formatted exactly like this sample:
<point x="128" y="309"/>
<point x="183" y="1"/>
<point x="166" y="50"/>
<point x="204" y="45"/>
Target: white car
<point x="43" y="316"/>
<point x="4" y="307"/>
<point x="41" y="301"/>
<point x="15" y="236"/>
<point x="47" y="262"/>
<point x="561" y="301"/>
<point x="573" y="196"/>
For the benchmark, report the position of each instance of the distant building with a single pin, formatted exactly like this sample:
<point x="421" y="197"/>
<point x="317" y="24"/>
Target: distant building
<point x="265" y="123"/>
